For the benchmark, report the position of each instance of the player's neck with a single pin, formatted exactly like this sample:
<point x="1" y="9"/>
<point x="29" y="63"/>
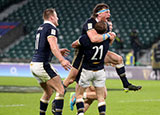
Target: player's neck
<point x="99" y="19"/>
<point x="50" y="22"/>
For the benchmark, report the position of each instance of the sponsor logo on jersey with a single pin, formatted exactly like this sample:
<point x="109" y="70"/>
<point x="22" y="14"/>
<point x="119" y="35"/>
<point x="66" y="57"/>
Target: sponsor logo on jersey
<point x="53" y="32"/>
<point x="90" y="26"/>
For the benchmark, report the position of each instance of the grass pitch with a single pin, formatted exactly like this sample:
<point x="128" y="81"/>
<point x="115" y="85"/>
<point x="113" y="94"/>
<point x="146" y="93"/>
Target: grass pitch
<point x="144" y="102"/>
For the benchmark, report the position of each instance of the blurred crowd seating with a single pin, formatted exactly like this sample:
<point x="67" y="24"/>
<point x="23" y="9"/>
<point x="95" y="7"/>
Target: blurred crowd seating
<point x="142" y="15"/>
<point x="6" y="3"/>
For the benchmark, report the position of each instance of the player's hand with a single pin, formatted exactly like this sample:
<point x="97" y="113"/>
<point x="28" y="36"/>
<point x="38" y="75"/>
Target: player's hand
<point x="66" y="64"/>
<point x="112" y="35"/>
<point x="64" y="52"/>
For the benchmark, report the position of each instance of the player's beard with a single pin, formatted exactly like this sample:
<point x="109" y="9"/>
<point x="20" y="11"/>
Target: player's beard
<point x="56" y="23"/>
<point x="103" y="19"/>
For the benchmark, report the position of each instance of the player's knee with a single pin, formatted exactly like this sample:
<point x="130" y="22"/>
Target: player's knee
<point x="92" y="88"/>
<point x="71" y="81"/>
<point x="61" y="92"/>
<point x="120" y="60"/>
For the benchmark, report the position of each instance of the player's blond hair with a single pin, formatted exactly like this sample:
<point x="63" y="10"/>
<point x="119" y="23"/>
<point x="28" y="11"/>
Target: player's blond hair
<point x="48" y="12"/>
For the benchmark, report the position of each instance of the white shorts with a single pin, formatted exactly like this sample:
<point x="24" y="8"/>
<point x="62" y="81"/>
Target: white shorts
<point x="42" y="71"/>
<point x="97" y="78"/>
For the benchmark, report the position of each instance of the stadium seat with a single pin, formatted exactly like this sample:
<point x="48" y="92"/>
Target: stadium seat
<point x="126" y="15"/>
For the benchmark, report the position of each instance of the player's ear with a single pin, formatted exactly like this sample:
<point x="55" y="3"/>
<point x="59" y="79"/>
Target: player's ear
<point x="52" y="17"/>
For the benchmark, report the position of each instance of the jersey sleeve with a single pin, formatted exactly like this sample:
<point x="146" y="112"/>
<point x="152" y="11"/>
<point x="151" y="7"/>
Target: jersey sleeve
<point x="52" y="32"/>
<point x="88" y="25"/>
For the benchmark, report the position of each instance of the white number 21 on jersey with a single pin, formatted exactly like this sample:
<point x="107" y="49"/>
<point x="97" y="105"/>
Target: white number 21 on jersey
<point x="98" y="49"/>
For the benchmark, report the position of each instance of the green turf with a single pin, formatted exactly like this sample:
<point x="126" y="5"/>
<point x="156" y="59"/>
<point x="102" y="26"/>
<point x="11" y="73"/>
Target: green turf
<point x="144" y="102"/>
<point x="21" y="81"/>
<point x="18" y="81"/>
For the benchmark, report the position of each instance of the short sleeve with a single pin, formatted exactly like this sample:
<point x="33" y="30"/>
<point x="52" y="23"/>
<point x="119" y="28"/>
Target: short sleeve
<point x="88" y="26"/>
<point x="52" y="32"/>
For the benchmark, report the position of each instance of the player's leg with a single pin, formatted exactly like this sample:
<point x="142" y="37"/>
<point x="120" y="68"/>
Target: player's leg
<point x="72" y="95"/>
<point x="76" y="63"/>
<point x="45" y="98"/>
<point x="101" y="101"/>
<point x="49" y="80"/>
<point x="83" y="83"/>
<point x="117" y="60"/>
<point x="91" y="96"/>
<point x="91" y="93"/>
<point x="79" y="100"/>
<point x="71" y="77"/>
<point x="99" y="84"/>
<point x="56" y="84"/>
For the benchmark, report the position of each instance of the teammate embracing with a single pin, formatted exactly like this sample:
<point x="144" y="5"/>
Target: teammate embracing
<point x="100" y="12"/>
<point x="93" y="68"/>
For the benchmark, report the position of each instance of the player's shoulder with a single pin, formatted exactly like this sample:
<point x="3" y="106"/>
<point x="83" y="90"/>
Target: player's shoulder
<point x="89" y="23"/>
<point x="90" y="20"/>
<point x="48" y="26"/>
<point x="84" y="38"/>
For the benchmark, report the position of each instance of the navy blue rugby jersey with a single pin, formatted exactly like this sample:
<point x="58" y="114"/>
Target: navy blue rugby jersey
<point x="42" y="48"/>
<point x="90" y="24"/>
<point x="94" y="53"/>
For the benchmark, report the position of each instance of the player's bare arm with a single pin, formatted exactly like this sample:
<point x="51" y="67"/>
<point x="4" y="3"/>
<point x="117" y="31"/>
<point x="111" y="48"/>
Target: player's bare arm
<point x="55" y="50"/>
<point x="97" y="38"/>
<point x="75" y="44"/>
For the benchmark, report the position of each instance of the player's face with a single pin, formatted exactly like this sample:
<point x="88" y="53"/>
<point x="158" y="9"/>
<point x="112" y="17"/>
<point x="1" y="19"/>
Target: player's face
<point x="105" y="15"/>
<point x="55" y="19"/>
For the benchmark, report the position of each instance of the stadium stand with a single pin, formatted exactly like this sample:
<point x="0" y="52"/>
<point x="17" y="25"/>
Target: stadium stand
<point x="6" y="3"/>
<point x="126" y="15"/>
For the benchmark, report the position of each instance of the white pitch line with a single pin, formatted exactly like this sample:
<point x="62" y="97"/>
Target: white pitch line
<point x="146" y="100"/>
<point x="14" y="105"/>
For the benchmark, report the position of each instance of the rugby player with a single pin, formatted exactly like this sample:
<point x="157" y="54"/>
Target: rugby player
<point x="93" y="68"/>
<point x="45" y="46"/>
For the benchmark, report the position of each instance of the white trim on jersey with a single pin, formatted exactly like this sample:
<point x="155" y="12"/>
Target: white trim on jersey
<point x="46" y="21"/>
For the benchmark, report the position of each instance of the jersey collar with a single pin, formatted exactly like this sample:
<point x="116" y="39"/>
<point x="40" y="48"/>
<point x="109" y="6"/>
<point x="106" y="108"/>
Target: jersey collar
<point x="97" y="20"/>
<point x="46" y="21"/>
